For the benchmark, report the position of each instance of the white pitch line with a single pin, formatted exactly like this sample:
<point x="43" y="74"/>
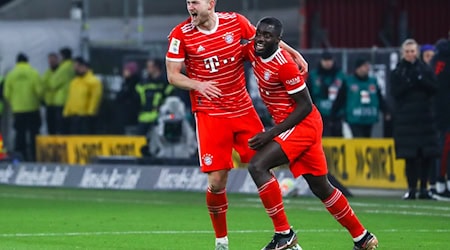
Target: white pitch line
<point x="300" y="231"/>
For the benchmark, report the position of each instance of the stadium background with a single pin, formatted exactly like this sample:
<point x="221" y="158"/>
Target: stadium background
<point x="112" y="32"/>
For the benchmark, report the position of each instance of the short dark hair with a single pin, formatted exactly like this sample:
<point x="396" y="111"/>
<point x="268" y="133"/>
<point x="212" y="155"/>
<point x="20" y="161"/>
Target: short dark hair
<point x="52" y="54"/>
<point x="66" y="53"/>
<point x="278" y="26"/>
<point x="80" y="60"/>
<point x="21" y="57"/>
<point x="158" y="63"/>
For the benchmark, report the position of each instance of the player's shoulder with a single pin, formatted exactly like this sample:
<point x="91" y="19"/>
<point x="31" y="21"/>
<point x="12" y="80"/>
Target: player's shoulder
<point x="227" y="15"/>
<point x="183" y="27"/>
<point x="284" y="58"/>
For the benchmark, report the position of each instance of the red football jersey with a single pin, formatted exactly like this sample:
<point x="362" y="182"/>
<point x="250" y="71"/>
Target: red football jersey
<point x="278" y="76"/>
<point x="215" y="55"/>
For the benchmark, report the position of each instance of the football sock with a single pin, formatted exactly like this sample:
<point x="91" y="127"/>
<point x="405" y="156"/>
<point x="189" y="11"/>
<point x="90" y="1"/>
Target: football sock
<point x="272" y="200"/>
<point x="222" y="240"/>
<point x="361" y="238"/>
<point x="339" y="207"/>
<point x="217" y="206"/>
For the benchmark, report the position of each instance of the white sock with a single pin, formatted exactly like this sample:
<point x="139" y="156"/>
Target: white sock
<point x="360" y="237"/>
<point x="440" y="187"/>
<point x="448" y="185"/>
<point x="223" y="240"/>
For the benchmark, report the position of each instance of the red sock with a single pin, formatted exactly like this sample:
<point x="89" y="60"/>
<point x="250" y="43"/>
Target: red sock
<point x="217" y="206"/>
<point x="339" y="207"/>
<point x="272" y="200"/>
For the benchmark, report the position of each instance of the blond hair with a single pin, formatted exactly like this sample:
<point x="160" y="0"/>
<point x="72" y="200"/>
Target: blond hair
<point x="410" y="41"/>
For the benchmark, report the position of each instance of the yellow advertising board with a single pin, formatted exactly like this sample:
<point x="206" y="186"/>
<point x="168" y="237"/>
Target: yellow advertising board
<point x="368" y="163"/>
<point x="80" y="149"/>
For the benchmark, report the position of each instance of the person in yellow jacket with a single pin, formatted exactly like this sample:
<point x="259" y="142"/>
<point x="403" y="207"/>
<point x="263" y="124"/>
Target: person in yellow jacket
<point x="83" y="101"/>
<point x="49" y="94"/>
<point x="59" y="86"/>
<point x="23" y="90"/>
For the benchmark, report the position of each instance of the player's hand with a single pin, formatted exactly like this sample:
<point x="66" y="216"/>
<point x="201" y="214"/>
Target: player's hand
<point x="208" y="89"/>
<point x="298" y="58"/>
<point x="260" y="140"/>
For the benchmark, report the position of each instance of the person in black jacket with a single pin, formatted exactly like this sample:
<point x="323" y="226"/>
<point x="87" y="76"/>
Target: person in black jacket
<point x="127" y="100"/>
<point x="413" y="86"/>
<point x="441" y="67"/>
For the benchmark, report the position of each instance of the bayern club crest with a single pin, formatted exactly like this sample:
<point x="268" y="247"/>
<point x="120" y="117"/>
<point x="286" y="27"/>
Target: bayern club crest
<point x="266" y="75"/>
<point x="207" y="159"/>
<point x="229" y="38"/>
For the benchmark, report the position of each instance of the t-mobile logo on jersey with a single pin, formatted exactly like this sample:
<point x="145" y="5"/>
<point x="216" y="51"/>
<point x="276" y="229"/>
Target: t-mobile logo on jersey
<point x="212" y="63"/>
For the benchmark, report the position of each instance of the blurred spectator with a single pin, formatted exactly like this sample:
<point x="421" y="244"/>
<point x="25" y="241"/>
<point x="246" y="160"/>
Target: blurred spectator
<point x="127" y="100"/>
<point x="413" y="86"/>
<point x="427" y="53"/>
<point x="23" y="90"/>
<point x="324" y="84"/>
<point x="2" y="104"/>
<point x="361" y="99"/>
<point x="59" y="85"/>
<point x="49" y="94"/>
<point x="152" y="92"/>
<point x="441" y="67"/>
<point x="83" y="100"/>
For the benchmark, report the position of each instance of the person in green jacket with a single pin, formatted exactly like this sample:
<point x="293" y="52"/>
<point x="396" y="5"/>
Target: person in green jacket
<point x="152" y="93"/>
<point x="59" y="86"/>
<point x="324" y="84"/>
<point x="23" y="90"/>
<point x="50" y="111"/>
<point x="361" y="99"/>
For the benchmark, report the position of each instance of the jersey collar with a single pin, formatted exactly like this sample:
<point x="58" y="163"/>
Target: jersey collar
<point x="268" y="59"/>
<point x="214" y="29"/>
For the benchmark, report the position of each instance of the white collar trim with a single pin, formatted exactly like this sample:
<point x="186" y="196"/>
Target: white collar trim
<point x="268" y="59"/>
<point x="214" y="29"/>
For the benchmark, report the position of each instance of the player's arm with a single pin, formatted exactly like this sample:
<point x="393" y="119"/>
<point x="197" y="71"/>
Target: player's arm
<point x="302" y="109"/>
<point x="178" y="79"/>
<point x="298" y="58"/>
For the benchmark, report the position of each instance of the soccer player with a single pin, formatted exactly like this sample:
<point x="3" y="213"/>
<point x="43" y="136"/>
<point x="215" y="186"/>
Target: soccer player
<point x="295" y="139"/>
<point x="208" y="43"/>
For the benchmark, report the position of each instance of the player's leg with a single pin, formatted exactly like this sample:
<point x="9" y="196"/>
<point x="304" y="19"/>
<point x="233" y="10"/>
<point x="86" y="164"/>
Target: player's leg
<point x="269" y="191"/>
<point x="215" y="159"/>
<point x="338" y="206"/>
<point x="217" y="203"/>
<point x="315" y="173"/>
<point x="259" y="167"/>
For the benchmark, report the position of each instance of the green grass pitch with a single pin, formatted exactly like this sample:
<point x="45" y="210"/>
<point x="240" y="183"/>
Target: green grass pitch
<point x="50" y="218"/>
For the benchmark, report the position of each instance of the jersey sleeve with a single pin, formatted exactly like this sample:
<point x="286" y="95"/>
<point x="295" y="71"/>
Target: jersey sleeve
<point x="291" y="78"/>
<point x="248" y="30"/>
<point x="176" y="49"/>
<point x="247" y="49"/>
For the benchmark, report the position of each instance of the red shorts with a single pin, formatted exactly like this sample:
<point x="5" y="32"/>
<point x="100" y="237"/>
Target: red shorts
<point x="302" y="145"/>
<point x="217" y="136"/>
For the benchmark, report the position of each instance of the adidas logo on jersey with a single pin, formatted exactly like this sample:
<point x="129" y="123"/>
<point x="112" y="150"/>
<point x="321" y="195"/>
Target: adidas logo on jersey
<point x="200" y="48"/>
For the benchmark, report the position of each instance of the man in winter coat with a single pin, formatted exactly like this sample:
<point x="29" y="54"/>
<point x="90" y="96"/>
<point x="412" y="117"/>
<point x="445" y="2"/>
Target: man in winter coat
<point x="413" y="87"/>
<point x="83" y="101"/>
<point x="23" y="91"/>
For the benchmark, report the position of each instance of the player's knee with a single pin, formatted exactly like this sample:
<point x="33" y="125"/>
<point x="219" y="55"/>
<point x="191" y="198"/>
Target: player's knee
<point x="255" y="169"/>
<point x="217" y="183"/>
